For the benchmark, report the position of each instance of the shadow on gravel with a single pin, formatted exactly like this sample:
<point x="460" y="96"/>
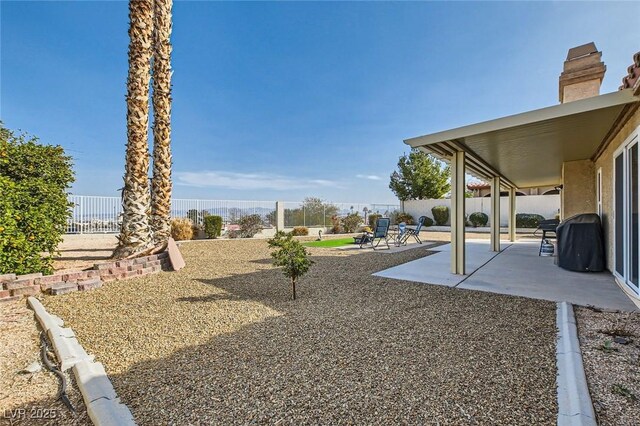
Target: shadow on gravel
<point x="352" y="349"/>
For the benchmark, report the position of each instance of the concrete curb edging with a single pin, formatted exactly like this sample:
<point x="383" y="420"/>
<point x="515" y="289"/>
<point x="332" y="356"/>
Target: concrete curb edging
<point x="574" y="402"/>
<point x="103" y="405"/>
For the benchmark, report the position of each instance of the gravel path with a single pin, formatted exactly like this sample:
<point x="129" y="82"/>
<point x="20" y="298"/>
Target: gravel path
<point x="612" y="369"/>
<point x="220" y="342"/>
<point x="29" y="398"/>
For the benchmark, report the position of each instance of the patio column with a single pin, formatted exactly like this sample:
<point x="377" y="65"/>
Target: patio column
<point x="457" y="213"/>
<point x="495" y="214"/>
<point x="512" y="214"/>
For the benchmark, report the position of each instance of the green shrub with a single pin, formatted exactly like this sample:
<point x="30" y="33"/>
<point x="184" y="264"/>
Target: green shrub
<point x="299" y="231"/>
<point x="428" y="221"/>
<point x="351" y="222"/>
<point x="372" y="219"/>
<point x="291" y="256"/>
<point x="213" y="226"/>
<point x="404" y="217"/>
<point x="528" y="220"/>
<point x="181" y="229"/>
<point x="34" y="207"/>
<point x="440" y="215"/>
<point x="478" y="219"/>
<point x="250" y="225"/>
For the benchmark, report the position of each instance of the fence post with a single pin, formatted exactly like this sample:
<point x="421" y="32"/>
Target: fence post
<point x="279" y="216"/>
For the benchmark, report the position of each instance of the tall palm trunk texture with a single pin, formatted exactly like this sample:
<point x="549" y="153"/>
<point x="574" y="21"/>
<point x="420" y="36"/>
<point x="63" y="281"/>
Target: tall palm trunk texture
<point x="135" y="233"/>
<point x="161" y="181"/>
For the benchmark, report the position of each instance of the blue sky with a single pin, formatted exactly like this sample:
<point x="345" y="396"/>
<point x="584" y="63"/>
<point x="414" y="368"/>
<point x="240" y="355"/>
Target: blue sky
<point x="286" y="100"/>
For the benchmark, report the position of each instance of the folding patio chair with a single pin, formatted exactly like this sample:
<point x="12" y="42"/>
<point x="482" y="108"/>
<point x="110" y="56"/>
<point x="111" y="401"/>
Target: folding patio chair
<point x="380" y="233"/>
<point x="415" y="233"/>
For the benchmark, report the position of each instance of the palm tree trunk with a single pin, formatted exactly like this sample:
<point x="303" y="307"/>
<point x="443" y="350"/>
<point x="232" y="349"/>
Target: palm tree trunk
<point x="135" y="234"/>
<point x="161" y="180"/>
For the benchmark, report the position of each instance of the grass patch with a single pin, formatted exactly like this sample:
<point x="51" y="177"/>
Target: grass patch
<point x="337" y="242"/>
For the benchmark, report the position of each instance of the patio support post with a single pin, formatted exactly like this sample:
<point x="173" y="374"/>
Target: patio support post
<point x="512" y="214"/>
<point x="457" y="213"/>
<point x="495" y="214"/>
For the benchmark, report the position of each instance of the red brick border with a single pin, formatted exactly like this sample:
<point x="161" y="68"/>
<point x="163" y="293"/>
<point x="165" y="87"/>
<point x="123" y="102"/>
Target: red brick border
<point x="13" y="287"/>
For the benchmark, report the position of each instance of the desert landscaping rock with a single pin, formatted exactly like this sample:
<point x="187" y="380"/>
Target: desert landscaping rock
<point x="221" y="342"/>
<point x="611" y="367"/>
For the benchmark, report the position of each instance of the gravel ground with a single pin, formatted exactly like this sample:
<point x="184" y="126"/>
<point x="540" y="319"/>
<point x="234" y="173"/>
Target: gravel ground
<point x="220" y="342"/>
<point x="612" y="369"/>
<point x="29" y="398"/>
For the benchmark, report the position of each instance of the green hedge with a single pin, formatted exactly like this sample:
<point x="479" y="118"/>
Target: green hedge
<point x="440" y="215"/>
<point x="478" y="219"/>
<point x="528" y="220"/>
<point x="428" y="221"/>
<point x="34" y="207"/>
<point x="213" y="226"/>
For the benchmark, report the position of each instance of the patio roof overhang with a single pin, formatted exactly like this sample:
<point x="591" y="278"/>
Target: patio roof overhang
<point x="528" y="149"/>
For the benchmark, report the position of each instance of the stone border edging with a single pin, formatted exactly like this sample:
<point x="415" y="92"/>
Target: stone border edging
<point x="103" y="405"/>
<point x="574" y="401"/>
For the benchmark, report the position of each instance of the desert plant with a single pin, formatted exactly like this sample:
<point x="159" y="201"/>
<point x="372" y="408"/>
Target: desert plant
<point x="404" y="217"/>
<point x="528" y="220"/>
<point x="478" y="219"/>
<point x="351" y="222"/>
<point x="440" y="215"/>
<point x="34" y="207"/>
<point x="336" y="225"/>
<point x="250" y="225"/>
<point x="372" y="219"/>
<point x="366" y="229"/>
<point x="291" y="256"/>
<point x="299" y="231"/>
<point x="213" y="226"/>
<point x="181" y="229"/>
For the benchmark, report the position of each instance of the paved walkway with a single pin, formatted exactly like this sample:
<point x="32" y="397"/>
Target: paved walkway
<point x="518" y="271"/>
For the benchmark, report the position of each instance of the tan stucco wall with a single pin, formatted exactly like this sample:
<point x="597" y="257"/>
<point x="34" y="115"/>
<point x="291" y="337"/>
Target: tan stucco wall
<point x="605" y="161"/>
<point x="579" y="188"/>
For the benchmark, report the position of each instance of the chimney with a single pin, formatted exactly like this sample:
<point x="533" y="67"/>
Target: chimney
<point x="582" y="74"/>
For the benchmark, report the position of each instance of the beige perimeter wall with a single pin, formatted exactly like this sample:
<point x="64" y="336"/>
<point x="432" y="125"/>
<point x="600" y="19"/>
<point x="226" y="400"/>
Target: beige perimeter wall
<point x="605" y="161"/>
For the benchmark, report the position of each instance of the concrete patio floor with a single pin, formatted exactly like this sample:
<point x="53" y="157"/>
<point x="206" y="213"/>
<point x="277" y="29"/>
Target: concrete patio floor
<point x="517" y="271"/>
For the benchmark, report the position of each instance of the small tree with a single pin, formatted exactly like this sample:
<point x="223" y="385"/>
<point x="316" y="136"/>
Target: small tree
<point x="420" y="176"/>
<point x="291" y="256"/>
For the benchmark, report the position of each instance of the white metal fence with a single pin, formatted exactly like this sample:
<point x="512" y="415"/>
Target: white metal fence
<point x="93" y="214"/>
<point x="315" y="214"/>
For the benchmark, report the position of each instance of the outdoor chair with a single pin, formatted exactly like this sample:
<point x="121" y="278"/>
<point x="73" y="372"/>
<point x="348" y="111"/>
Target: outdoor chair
<point x="415" y="233"/>
<point x="548" y="228"/>
<point x="380" y="233"/>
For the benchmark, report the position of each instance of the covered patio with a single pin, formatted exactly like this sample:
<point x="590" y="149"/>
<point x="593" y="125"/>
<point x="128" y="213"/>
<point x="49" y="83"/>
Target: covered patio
<point x="518" y="271"/>
<point x="520" y="151"/>
<point x="554" y="146"/>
